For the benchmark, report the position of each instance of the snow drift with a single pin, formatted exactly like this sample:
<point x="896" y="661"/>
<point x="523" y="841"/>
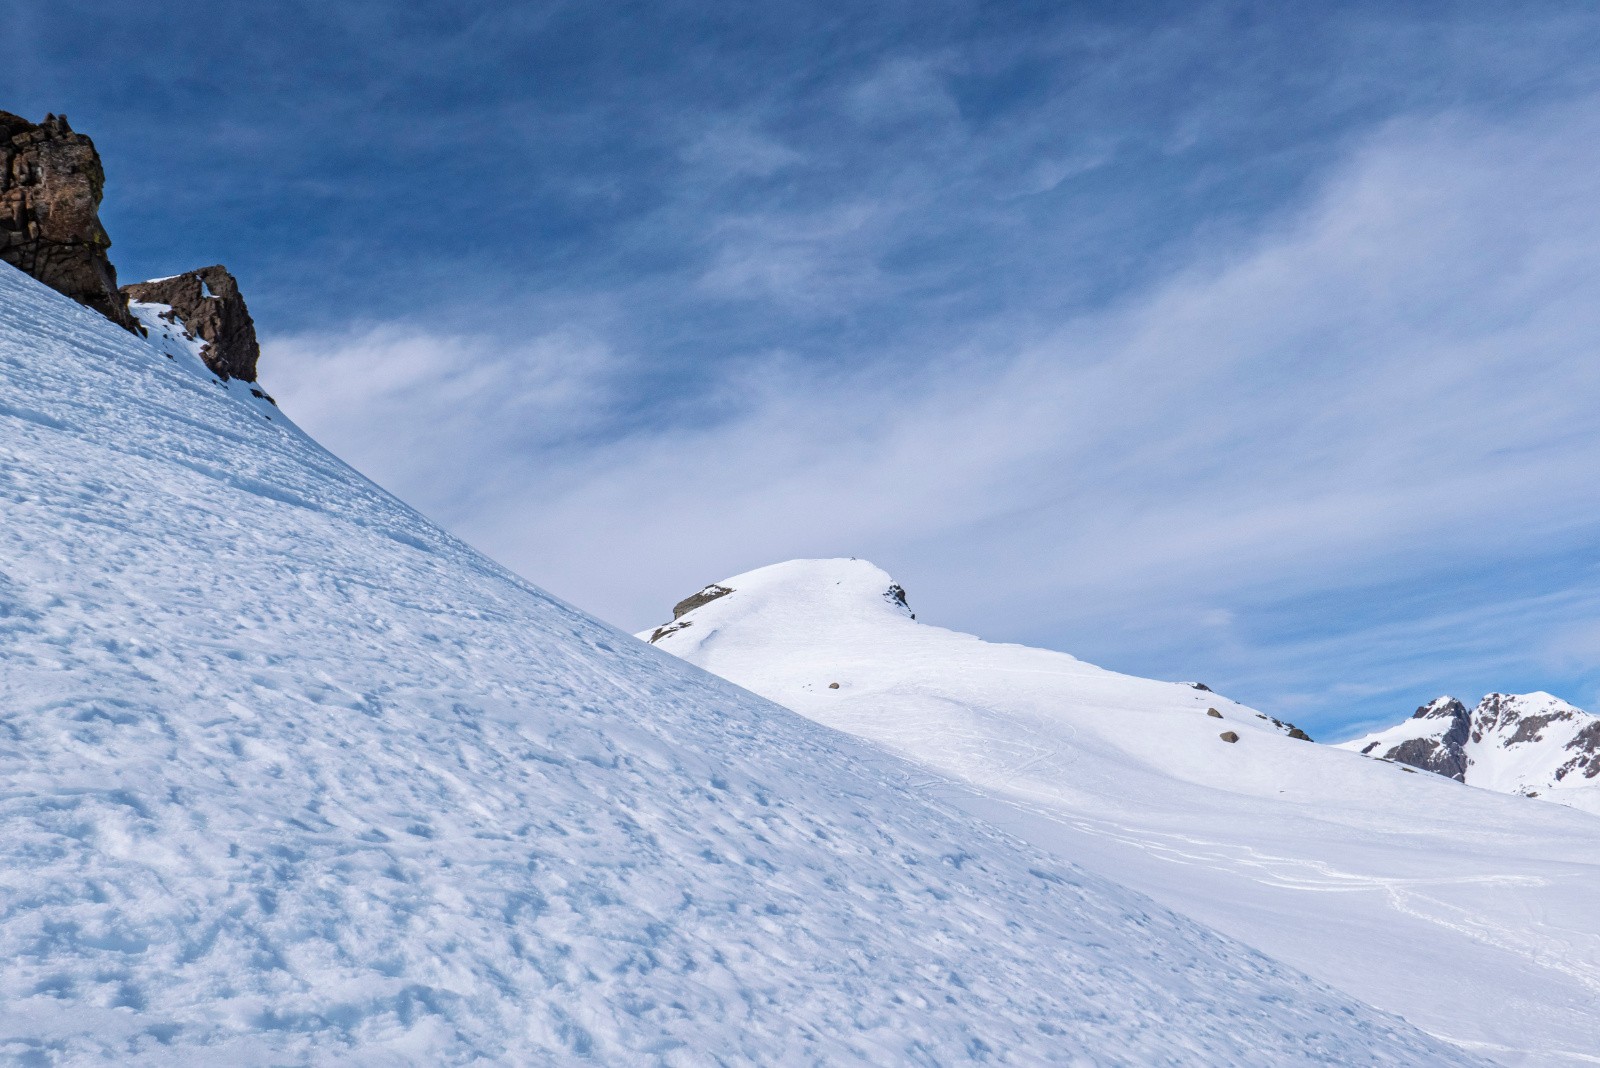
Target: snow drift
<point x="1470" y="913"/>
<point x="291" y="775"/>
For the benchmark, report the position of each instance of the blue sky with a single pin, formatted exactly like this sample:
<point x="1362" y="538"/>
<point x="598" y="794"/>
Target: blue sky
<point x="1252" y="343"/>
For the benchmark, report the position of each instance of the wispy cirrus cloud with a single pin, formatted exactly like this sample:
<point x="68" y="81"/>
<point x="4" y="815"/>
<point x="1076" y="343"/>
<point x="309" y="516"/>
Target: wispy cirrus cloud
<point x="1391" y="382"/>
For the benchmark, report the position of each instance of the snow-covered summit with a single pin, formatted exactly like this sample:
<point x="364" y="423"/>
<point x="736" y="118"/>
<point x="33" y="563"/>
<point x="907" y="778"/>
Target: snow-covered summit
<point x="292" y="776"/>
<point x="1534" y="744"/>
<point x="814" y="633"/>
<point x="1468" y="912"/>
<point x="798" y="590"/>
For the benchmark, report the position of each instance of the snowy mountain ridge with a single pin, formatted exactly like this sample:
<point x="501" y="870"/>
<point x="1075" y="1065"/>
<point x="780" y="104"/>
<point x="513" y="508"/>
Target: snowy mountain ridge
<point x="1533" y="744"/>
<point x="293" y="776"/>
<point x="1468" y="912"/>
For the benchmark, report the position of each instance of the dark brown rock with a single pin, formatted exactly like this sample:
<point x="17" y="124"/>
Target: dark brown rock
<point x="1228" y="736"/>
<point x="209" y="306"/>
<point x="1213" y="713"/>
<point x="51" y="182"/>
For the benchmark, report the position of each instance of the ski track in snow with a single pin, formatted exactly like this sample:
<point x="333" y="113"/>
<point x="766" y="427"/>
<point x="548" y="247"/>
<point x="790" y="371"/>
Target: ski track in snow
<point x="288" y="775"/>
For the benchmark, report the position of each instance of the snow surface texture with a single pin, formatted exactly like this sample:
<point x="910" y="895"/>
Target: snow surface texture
<point x="1533" y="744"/>
<point x="290" y="776"/>
<point x="1470" y="913"/>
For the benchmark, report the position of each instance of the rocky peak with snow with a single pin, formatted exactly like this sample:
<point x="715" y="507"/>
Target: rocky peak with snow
<point x="207" y="306"/>
<point x="51" y="182"/>
<point x="1534" y="744"/>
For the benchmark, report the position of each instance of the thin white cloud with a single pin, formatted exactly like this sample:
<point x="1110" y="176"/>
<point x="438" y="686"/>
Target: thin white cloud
<point x="427" y="412"/>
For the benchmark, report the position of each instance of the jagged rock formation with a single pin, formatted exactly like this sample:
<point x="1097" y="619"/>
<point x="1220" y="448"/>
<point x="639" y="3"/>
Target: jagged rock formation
<point x="51" y="182"/>
<point x="1532" y="744"/>
<point x="208" y="305"/>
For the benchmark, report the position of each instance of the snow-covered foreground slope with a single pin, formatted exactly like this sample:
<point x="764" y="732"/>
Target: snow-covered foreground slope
<point x="1533" y="744"/>
<point x="289" y="776"/>
<point x="1471" y="913"/>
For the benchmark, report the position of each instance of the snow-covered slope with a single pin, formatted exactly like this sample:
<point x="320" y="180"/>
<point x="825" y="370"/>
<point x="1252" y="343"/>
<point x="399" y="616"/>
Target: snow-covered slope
<point x="1471" y="913"/>
<point x="290" y="776"/>
<point x="1532" y="744"/>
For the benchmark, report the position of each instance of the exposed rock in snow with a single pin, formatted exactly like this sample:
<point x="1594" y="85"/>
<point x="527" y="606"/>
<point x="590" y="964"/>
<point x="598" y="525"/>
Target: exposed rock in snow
<point x="339" y="790"/>
<point x="1532" y="744"/>
<point x="207" y="305"/>
<point x="51" y="182"/>
<point x="1468" y="912"/>
<point x="166" y="333"/>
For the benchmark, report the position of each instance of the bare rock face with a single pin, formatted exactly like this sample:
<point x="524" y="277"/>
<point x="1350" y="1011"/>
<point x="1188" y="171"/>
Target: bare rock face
<point x="209" y="306"/>
<point x="1441" y="745"/>
<point x="50" y="187"/>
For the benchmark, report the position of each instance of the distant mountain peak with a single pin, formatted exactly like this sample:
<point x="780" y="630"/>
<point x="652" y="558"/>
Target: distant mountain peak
<point x="1440" y="707"/>
<point x="1534" y="744"/>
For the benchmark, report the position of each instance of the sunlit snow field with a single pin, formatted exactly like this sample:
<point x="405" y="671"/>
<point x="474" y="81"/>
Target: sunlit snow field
<point x="291" y="776"/>
<point x="1471" y="913"/>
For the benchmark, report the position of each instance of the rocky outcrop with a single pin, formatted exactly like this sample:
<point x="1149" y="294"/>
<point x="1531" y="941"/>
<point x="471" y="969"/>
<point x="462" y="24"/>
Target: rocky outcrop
<point x="51" y="182"/>
<point x="705" y="596"/>
<point x="1440" y="745"/>
<point x="208" y="305"/>
<point x="687" y="605"/>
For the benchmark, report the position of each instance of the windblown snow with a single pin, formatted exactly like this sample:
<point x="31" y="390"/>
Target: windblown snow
<point x="290" y="776"/>
<point x="1470" y="913"/>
